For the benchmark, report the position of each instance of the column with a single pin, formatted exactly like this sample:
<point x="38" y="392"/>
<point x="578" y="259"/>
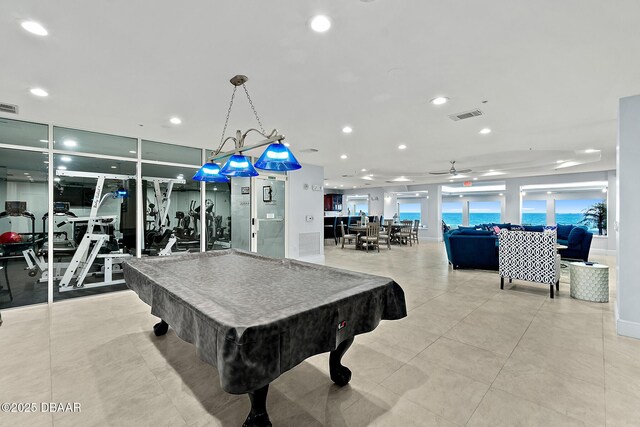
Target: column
<point x="512" y="201"/>
<point x="628" y="201"/>
<point x="434" y="213"/>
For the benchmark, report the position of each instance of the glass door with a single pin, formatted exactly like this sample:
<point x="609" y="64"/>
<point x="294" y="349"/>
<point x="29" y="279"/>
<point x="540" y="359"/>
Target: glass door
<point x="268" y="236"/>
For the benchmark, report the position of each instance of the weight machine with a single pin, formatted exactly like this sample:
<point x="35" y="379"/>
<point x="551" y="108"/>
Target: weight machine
<point x="93" y="240"/>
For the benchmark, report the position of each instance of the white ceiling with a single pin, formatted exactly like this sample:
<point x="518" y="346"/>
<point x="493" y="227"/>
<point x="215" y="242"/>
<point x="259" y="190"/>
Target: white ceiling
<point x="551" y="73"/>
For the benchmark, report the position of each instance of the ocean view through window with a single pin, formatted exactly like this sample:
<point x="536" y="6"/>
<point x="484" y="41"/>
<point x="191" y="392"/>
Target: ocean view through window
<point x="452" y="213"/>
<point x="534" y="212"/>
<point x="573" y="212"/>
<point x="484" y="212"/>
<point x="409" y="211"/>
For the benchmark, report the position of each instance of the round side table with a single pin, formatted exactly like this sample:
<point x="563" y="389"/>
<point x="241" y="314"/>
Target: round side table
<point x="589" y="282"/>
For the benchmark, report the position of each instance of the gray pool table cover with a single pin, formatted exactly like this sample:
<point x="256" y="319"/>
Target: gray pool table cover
<point x="255" y="317"/>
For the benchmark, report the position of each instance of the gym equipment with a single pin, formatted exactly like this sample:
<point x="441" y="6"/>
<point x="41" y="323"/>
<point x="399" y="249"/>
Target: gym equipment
<point x="95" y="238"/>
<point x="161" y="237"/>
<point x="10" y="237"/>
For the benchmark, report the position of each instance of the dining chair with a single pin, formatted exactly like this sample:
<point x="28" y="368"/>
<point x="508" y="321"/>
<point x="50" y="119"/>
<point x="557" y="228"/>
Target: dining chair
<point x="348" y="237"/>
<point x="404" y="235"/>
<point x="414" y="231"/>
<point x="385" y="237"/>
<point x="372" y="236"/>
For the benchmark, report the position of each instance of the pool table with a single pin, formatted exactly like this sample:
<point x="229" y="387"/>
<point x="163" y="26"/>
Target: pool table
<point x="255" y="317"/>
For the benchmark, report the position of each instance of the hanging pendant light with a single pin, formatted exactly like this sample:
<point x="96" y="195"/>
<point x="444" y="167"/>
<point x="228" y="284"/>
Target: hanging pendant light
<point x="238" y="165"/>
<point x="277" y="157"/>
<point x="210" y="172"/>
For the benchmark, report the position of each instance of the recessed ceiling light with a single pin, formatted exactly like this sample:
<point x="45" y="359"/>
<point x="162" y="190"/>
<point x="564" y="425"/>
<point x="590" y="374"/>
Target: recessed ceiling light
<point x="363" y="170"/>
<point x="44" y="140"/>
<point x="175" y="120"/>
<point x="492" y="170"/>
<point x="46" y="162"/>
<point x="132" y="151"/>
<point x="439" y="100"/>
<point x="26" y="173"/>
<point x="56" y="179"/>
<point x="286" y="144"/>
<point x="524" y="193"/>
<point x="559" y="161"/>
<point x="34" y="28"/>
<point x="500" y="194"/>
<point x="320" y="23"/>
<point x="591" y="150"/>
<point x="113" y="167"/>
<point x="604" y="190"/>
<point x="341" y="185"/>
<point x="460" y="195"/>
<point x="475" y="179"/>
<point x="347" y="129"/>
<point x="485" y="131"/>
<point x="344" y="156"/>
<point x="65" y="159"/>
<point x="417" y="194"/>
<point x="215" y="188"/>
<point x="62" y="168"/>
<point x="180" y="176"/>
<point x="69" y="143"/>
<point x="450" y="180"/>
<point x="549" y="192"/>
<point x="355" y="186"/>
<point x="401" y="147"/>
<point x="37" y="91"/>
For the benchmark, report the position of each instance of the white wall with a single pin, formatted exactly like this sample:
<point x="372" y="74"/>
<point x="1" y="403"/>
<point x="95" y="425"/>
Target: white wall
<point x="36" y="196"/>
<point x="306" y="235"/>
<point x="628" y="159"/>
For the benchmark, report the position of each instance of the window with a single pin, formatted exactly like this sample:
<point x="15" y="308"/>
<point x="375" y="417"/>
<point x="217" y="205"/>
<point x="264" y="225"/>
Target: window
<point x="409" y="211"/>
<point x="534" y="212"/>
<point x="589" y="212"/>
<point x="93" y="142"/>
<point x="171" y="153"/>
<point x="16" y="132"/>
<point x="452" y="213"/>
<point x="484" y="212"/>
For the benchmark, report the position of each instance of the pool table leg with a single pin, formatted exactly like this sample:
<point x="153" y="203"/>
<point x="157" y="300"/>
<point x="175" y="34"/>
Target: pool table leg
<point x="258" y="416"/>
<point x="341" y="375"/>
<point x="160" y="328"/>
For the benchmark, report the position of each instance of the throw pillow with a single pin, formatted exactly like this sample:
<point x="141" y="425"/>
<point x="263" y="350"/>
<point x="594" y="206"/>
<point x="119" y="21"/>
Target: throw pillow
<point x="496" y="230"/>
<point x="516" y="228"/>
<point x="575" y="237"/>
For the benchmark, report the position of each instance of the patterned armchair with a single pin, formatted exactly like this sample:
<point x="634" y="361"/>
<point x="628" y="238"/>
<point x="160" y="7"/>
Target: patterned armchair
<point x="529" y="256"/>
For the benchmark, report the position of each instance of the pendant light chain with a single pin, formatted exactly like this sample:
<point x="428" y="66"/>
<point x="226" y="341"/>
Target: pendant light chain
<point x="226" y="121"/>
<point x="254" y="109"/>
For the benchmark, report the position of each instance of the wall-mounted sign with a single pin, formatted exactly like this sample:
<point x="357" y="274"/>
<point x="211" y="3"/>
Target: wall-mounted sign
<point x="467" y="183"/>
<point x="245" y="190"/>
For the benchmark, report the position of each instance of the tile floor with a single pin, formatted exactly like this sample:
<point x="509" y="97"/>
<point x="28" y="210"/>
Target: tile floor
<point x="467" y="354"/>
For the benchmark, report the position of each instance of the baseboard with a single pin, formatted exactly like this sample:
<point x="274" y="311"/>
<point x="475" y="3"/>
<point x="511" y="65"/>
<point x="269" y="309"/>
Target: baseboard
<point x="603" y="252"/>
<point x="625" y="327"/>
<point x="315" y="259"/>
<point x="431" y="239"/>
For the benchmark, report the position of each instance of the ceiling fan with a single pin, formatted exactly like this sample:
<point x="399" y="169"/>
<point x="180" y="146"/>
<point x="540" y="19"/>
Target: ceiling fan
<point x="453" y="171"/>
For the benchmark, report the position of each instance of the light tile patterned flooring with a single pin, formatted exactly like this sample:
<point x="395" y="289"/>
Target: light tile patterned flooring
<point x="467" y="354"/>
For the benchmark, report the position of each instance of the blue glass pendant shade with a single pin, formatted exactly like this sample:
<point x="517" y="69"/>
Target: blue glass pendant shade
<point x="238" y="165"/>
<point x="210" y="172"/>
<point x="277" y="157"/>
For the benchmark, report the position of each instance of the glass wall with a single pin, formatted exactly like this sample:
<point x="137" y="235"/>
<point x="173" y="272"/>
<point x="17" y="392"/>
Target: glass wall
<point x="452" y="213"/>
<point x="484" y="212"/>
<point x="16" y="132"/>
<point x="162" y="152"/>
<point x="23" y="208"/>
<point x="95" y="224"/>
<point x="534" y="212"/>
<point x="92" y="142"/>
<point x="217" y="215"/>
<point x="589" y="212"/>
<point x="171" y="202"/>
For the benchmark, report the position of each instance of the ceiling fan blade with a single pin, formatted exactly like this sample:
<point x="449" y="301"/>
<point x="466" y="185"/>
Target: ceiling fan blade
<point x="463" y="170"/>
<point x="440" y="173"/>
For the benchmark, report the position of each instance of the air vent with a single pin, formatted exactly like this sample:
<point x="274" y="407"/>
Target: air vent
<point x="309" y="150"/>
<point x="465" y="115"/>
<point x="8" y="108"/>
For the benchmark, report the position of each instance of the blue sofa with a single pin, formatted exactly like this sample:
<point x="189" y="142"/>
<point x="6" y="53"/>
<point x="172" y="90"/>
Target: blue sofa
<point x="469" y="248"/>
